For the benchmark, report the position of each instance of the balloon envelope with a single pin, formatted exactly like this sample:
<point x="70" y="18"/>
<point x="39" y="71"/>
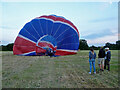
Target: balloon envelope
<point x="43" y="32"/>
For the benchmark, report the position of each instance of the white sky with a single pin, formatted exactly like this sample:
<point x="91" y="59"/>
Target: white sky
<point x="97" y="22"/>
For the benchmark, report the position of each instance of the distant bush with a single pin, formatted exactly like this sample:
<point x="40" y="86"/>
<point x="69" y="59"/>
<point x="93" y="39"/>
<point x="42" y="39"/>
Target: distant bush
<point x="8" y="47"/>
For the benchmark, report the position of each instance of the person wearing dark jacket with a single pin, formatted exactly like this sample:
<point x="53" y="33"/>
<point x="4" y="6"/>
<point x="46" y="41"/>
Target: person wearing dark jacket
<point x="101" y="56"/>
<point x="92" y="57"/>
<point x="50" y="52"/>
<point x="107" y="59"/>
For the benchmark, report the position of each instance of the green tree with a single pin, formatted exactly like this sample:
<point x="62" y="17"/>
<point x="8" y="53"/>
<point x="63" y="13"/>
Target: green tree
<point x="8" y="47"/>
<point x="111" y="46"/>
<point x="83" y="45"/>
<point x="107" y="45"/>
<point x="118" y="45"/>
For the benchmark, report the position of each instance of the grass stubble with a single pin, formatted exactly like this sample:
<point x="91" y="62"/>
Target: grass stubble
<point x="57" y="72"/>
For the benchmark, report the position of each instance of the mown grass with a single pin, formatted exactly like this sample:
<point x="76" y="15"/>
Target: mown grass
<point x="56" y="72"/>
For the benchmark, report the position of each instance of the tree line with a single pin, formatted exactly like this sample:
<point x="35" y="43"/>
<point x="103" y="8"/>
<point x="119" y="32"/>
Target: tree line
<point x="8" y="47"/>
<point x="82" y="46"/>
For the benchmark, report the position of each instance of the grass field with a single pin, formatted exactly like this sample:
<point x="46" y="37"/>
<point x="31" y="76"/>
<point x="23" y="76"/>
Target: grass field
<point x="57" y="72"/>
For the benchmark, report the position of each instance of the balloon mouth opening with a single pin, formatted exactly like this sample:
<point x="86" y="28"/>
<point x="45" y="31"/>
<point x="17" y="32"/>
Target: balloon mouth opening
<point x="45" y="42"/>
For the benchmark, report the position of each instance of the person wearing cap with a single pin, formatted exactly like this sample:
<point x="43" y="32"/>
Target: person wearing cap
<point x="92" y="56"/>
<point x="107" y="58"/>
<point x="101" y="56"/>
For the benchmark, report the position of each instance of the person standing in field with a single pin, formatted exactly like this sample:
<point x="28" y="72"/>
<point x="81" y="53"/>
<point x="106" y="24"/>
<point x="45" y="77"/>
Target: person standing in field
<point x="92" y="57"/>
<point x="101" y="56"/>
<point x="107" y="58"/>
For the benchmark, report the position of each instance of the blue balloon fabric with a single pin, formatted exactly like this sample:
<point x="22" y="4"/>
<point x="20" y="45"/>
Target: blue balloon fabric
<point x="43" y="32"/>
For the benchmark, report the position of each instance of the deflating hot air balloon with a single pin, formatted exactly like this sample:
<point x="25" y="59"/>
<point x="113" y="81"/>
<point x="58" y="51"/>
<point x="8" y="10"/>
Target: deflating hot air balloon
<point x="53" y="32"/>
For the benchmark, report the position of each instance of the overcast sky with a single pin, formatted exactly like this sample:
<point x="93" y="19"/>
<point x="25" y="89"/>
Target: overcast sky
<point x="97" y="22"/>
